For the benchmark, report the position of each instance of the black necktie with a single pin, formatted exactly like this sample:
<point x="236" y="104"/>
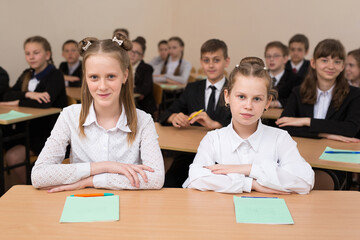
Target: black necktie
<point x="273" y="81"/>
<point x="211" y="104"/>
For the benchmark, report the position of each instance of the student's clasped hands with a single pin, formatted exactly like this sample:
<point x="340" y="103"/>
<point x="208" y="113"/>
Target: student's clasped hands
<point x="130" y="171"/>
<point x="41" y="97"/>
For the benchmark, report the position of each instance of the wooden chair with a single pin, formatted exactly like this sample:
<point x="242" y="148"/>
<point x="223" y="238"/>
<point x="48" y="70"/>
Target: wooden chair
<point x="158" y="96"/>
<point x="71" y="100"/>
<point x="326" y="180"/>
<point x="193" y="70"/>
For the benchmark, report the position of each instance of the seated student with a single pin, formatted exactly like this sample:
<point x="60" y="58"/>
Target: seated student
<point x="163" y="49"/>
<point x="352" y="68"/>
<point x="4" y="82"/>
<point x="175" y="69"/>
<point x="113" y="145"/>
<point x="247" y="155"/>
<point x="276" y="55"/>
<point x="205" y="94"/>
<point x="122" y="31"/>
<point x="71" y="68"/>
<point x="324" y="105"/>
<point x="142" y="73"/>
<point x="40" y="86"/>
<point x="298" y="49"/>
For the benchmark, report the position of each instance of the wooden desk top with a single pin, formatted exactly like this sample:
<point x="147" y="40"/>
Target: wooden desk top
<point x="170" y="87"/>
<point x="188" y="140"/>
<point x="272" y="113"/>
<point x="36" y="113"/>
<point x="27" y="213"/>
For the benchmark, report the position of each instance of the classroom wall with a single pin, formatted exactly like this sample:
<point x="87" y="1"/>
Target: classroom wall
<point x="246" y="26"/>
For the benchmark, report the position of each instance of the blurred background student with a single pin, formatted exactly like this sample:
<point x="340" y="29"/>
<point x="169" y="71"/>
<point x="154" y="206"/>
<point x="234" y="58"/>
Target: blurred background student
<point x="71" y="68"/>
<point x="352" y="68"/>
<point x="4" y="82"/>
<point x="163" y="49"/>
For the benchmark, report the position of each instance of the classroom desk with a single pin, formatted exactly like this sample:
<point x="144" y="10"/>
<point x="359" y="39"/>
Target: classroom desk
<point x="188" y="140"/>
<point x="27" y="213"/>
<point x="75" y="92"/>
<point x="272" y="113"/>
<point x="36" y="113"/>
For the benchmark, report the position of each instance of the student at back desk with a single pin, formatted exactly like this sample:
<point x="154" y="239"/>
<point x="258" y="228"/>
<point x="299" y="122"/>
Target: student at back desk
<point x="204" y="94"/>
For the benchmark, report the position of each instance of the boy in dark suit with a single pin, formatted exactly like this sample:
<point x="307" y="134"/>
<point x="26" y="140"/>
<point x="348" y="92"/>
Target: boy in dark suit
<point x="298" y="49"/>
<point x="276" y="56"/>
<point x="4" y="82"/>
<point x="205" y="94"/>
<point x="71" y="68"/>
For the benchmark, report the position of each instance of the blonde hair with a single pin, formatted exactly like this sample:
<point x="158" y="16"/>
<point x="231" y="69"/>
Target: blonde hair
<point x="92" y="46"/>
<point x="252" y="66"/>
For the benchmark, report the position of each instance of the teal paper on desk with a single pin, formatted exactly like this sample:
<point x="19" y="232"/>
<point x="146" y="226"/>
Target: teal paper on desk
<point x="346" y="157"/>
<point x="13" y="115"/>
<point x="262" y="211"/>
<point x="91" y="209"/>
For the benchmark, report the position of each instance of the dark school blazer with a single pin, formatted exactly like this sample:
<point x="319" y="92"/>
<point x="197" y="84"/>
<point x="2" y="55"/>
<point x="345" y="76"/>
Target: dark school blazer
<point x="64" y="68"/>
<point x="4" y="82"/>
<point x="287" y="82"/>
<point x="345" y="121"/>
<point x="192" y="100"/>
<point x="144" y="86"/>
<point x="302" y="71"/>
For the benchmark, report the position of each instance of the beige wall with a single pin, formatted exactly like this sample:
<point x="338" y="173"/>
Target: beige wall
<point x="246" y="26"/>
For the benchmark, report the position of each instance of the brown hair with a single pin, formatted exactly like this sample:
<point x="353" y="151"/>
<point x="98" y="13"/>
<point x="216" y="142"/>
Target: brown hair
<point x="46" y="45"/>
<point x="177" y="70"/>
<point x="255" y="67"/>
<point x="140" y="40"/>
<point x="276" y="44"/>
<point x="121" y="31"/>
<point x="69" y="41"/>
<point x="325" y="48"/>
<point x="300" y="38"/>
<point x="212" y="45"/>
<point x="118" y="52"/>
<point x="162" y="42"/>
<point x="355" y="54"/>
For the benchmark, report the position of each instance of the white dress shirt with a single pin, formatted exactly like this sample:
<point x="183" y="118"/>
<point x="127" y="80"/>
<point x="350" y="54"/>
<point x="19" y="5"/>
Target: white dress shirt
<point x="97" y="146"/>
<point x="297" y="66"/>
<point x="276" y="162"/>
<point x="219" y="85"/>
<point x="33" y="84"/>
<point x="322" y="104"/>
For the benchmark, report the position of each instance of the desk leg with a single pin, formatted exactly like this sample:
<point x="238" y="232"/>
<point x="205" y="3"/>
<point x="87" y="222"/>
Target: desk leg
<point x="27" y="159"/>
<point x="2" y="178"/>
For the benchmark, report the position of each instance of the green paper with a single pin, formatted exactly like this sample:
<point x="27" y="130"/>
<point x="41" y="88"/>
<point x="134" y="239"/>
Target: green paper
<point x="91" y="209"/>
<point x="13" y="115"/>
<point x="262" y="211"/>
<point x="338" y="157"/>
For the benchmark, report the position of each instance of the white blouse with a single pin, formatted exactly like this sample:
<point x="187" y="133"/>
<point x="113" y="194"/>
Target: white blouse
<point x="98" y="145"/>
<point x="276" y="162"/>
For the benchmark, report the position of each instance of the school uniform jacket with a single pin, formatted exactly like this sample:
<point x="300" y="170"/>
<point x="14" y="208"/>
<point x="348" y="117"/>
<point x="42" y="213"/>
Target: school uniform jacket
<point x="4" y="82"/>
<point x="345" y="121"/>
<point x="287" y="82"/>
<point x="302" y="71"/>
<point x="144" y="86"/>
<point x="193" y="99"/>
<point x="64" y="68"/>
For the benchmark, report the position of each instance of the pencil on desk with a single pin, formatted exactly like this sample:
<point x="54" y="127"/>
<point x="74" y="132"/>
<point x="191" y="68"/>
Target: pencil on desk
<point x="195" y="114"/>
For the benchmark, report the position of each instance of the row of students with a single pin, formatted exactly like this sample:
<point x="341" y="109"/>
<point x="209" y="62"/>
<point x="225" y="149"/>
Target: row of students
<point x="40" y="86"/>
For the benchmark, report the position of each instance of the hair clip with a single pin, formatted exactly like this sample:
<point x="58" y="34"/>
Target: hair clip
<point x="120" y="42"/>
<point x="265" y="69"/>
<point x="86" y="46"/>
<point x="237" y="65"/>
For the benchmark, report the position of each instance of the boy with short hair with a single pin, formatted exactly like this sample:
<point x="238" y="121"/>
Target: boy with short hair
<point x="276" y="56"/>
<point x="71" y="68"/>
<point x="298" y="48"/>
<point x="205" y="94"/>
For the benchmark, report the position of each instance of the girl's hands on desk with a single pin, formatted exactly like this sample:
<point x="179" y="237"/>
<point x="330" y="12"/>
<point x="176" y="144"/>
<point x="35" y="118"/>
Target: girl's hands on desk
<point x="179" y="120"/>
<point x="128" y="170"/>
<point x="204" y="119"/>
<point x="41" y="97"/>
<point x="292" y="121"/>
<point x="83" y="183"/>
<point x="227" y="168"/>
<point x="339" y="138"/>
<point x="257" y="187"/>
<point x="10" y="103"/>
